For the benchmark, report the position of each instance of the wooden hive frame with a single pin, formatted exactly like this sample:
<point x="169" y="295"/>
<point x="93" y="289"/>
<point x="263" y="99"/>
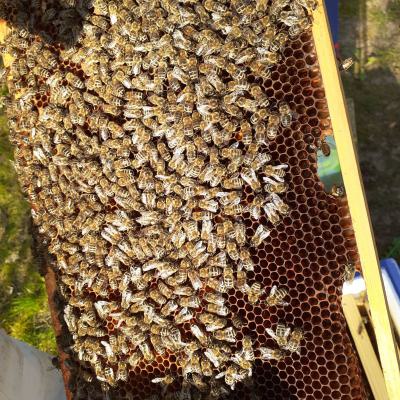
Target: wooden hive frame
<point x="356" y="201"/>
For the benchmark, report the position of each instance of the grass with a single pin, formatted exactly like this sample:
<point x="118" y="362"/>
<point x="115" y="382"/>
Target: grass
<point x="387" y="52"/>
<point x="390" y="14"/>
<point x="349" y="8"/>
<point x="23" y="302"/>
<point x="370" y="31"/>
<point x="393" y="250"/>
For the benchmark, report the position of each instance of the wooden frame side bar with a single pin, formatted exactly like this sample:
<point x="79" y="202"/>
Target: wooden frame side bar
<point x="364" y="347"/>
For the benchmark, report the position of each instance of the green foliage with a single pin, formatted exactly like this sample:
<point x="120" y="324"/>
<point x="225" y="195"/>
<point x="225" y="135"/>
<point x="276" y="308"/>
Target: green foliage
<point x="370" y="32"/>
<point x="23" y="303"/>
<point x="394" y="249"/>
<point x="349" y="8"/>
<point x="391" y="13"/>
<point x="27" y="317"/>
<point x="386" y="20"/>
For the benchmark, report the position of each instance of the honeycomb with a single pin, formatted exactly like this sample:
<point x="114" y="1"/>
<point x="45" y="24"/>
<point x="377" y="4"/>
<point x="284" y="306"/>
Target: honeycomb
<point x="305" y="253"/>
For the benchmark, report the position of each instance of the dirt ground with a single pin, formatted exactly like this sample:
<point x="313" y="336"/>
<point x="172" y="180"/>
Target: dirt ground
<point x="370" y="32"/>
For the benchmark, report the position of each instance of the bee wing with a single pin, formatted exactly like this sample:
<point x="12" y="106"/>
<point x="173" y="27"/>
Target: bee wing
<point x="281" y="166"/>
<point x="271" y="333"/>
<point x="159" y="380"/>
<point x="108" y="348"/>
<point x="273" y="290"/>
<point x="276" y="200"/>
<point x="220" y="375"/>
<point x="267" y="179"/>
<point x="269" y="209"/>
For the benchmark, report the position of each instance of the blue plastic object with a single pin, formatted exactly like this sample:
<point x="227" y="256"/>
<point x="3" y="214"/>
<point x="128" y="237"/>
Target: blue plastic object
<point x="332" y="7"/>
<point x="392" y="268"/>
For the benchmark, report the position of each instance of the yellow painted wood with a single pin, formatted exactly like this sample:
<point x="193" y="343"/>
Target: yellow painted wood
<point x="7" y="59"/>
<point x="364" y="347"/>
<point x="357" y="201"/>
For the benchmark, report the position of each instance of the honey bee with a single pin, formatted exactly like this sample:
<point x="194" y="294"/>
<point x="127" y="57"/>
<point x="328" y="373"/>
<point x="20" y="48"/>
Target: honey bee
<point x="201" y="336"/>
<point x="273" y="186"/>
<point x="324" y="147"/>
<point x="134" y="358"/>
<point x="240" y="233"/>
<point x="232" y="251"/>
<point x="241" y="281"/>
<point x="216" y="356"/>
<point x="277" y="172"/>
<point x="281" y="334"/>
<point x="147" y="352"/>
<point x="165" y="380"/>
<point x="169" y="307"/>
<point x="267" y="353"/>
<point x="349" y="272"/>
<point x="276" y="296"/>
<point x="260" y="235"/>
<point x="245" y="260"/>
<point x="346" y="64"/>
<point x="231" y="376"/>
<point x="279" y="41"/>
<point x="247" y="104"/>
<point x="209" y="272"/>
<point x="108" y="376"/>
<point x="209" y="205"/>
<point x="227" y="334"/>
<point x="206" y="366"/>
<point x="217" y="309"/>
<point x="70" y="319"/>
<point x="190" y="301"/>
<point x="254" y="292"/>
<point x="293" y="344"/>
<point x="228" y="278"/>
<point x="122" y="372"/>
<point x="271" y="213"/>
<point x="272" y="126"/>
<point x="308" y="4"/>
<point x="279" y="205"/>
<point x="74" y="81"/>
<point x="285" y="114"/>
<point x="212" y="322"/>
<point x="103" y="308"/>
<point x="249" y="176"/>
<point x="255" y="207"/>
<point x="155" y="295"/>
<point x="183" y="316"/>
<point x="337" y="191"/>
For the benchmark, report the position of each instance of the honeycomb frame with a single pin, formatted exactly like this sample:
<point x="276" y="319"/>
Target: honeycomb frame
<point x="313" y="290"/>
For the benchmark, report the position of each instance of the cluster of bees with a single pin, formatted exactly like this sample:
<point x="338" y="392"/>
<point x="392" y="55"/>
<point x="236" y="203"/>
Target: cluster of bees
<point x="136" y="164"/>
